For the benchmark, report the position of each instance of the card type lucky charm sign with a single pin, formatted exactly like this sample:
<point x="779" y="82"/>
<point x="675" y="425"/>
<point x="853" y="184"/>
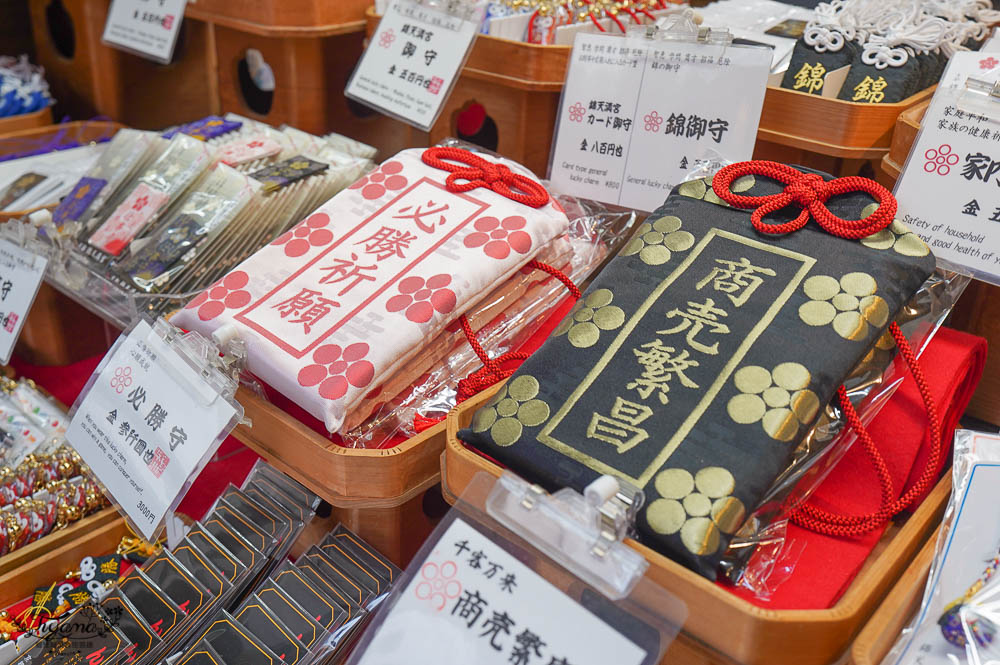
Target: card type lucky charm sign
<point x="638" y="115"/>
<point x="145" y="423"/>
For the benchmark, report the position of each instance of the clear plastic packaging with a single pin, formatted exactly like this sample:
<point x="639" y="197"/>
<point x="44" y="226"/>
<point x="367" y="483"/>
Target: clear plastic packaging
<point x="959" y="616"/>
<point x="129" y="151"/>
<point x="161" y="252"/>
<point x="750" y="560"/>
<point x="125" y="216"/>
<point x="595" y="233"/>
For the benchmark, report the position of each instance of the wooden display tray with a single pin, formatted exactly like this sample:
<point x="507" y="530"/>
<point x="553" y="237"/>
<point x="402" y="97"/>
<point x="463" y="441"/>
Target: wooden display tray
<point x="378" y="493"/>
<point x="24" y="121"/>
<point x="42" y="562"/>
<point x="902" y="603"/>
<point x="722" y="628"/>
<point x="903" y="138"/>
<point x="283" y="18"/>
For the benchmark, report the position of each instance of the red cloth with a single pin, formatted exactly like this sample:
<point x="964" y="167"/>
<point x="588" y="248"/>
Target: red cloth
<point x="825" y="566"/>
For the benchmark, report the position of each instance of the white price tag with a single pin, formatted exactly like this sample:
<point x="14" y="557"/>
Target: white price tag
<point x="21" y="274"/>
<point x="638" y="114"/>
<point x="145" y="425"/>
<point x="490" y="609"/>
<point x="413" y="60"/>
<point x="145" y="27"/>
<point x="949" y="191"/>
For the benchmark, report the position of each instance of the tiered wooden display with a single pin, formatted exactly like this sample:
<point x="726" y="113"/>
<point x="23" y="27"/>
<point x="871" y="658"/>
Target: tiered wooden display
<point x="520" y="84"/>
<point x="897" y="609"/>
<point x="722" y="629"/>
<point x="386" y="496"/>
<point x="88" y="78"/>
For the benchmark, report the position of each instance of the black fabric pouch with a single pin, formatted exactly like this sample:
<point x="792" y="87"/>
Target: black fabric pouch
<point x="699" y="358"/>
<point x="808" y="67"/>
<point x="868" y="84"/>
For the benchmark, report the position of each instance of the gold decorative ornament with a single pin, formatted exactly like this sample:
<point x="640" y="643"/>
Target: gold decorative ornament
<point x="590" y="315"/>
<point x="510" y="410"/>
<point x="699" y="507"/>
<point x="779" y="399"/>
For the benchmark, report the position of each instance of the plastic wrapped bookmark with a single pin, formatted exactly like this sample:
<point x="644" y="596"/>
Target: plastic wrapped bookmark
<point x="128" y="151"/>
<point x="959" y="618"/>
<point x="152" y="259"/>
<point x="515" y="575"/>
<point x="176" y="169"/>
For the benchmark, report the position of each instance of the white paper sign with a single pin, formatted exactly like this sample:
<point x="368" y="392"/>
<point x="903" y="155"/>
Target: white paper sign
<point x="949" y="191"/>
<point x="146" y="27"/>
<point x="412" y="62"/>
<point x="145" y="425"/>
<point x="638" y="115"/>
<point x="21" y="274"/>
<point x="472" y="602"/>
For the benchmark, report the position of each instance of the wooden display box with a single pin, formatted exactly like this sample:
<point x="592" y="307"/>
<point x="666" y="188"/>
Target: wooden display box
<point x="902" y="603"/>
<point x="17" y="123"/>
<point x="520" y="85"/>
<point x="88" y="78"/>
<point x="51" y="557"/>
<point x="311" y="68"/>
<point x="283" y="17"/>
<point x="386" y="496"/>
<point x="903" y="138"/>
<point x="724" y="629"/>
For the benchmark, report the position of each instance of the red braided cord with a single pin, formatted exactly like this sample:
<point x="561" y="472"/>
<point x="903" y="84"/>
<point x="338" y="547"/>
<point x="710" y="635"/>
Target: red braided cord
<point x="810" y="191"/>
<point x="478" y="172"/>
<point x="491" y="372"/>
<point x="822" y="521"/>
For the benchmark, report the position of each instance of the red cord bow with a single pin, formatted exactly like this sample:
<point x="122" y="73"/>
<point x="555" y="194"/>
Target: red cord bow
<point x="811" y="192"/>
<point x="477" y="172"/>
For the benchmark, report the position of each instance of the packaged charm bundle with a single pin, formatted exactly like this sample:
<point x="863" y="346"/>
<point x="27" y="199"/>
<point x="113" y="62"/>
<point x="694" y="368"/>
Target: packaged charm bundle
<point x="128" y="151"/>
<point x="184" y="160"/>
<point x="400" y="254"/>
<point x="23" y="88"/>
<point x="214" y="202"/>
<point x="958" y="620"/>
<point x="701" y="356"/>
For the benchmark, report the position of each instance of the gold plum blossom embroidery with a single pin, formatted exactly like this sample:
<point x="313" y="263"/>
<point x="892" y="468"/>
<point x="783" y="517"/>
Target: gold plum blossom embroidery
<point x="510" y="410"/>
<point x="780" y="399"/>
<point x="702" y="189"/>
<point x="850" y="304"/>
<point x="589" y="317"/>
<point x="654" y="242"/>
<point x="897" y="236"/>
<point x="699" y="507"/>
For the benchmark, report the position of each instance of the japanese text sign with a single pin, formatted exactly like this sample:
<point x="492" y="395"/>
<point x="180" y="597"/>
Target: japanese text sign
<point x="490" y="609"/>
<point x="145" y="424"/>
<point x="146" y="27"/>
<point x="949" y="191"/>
<point x="639" y="114"/>
<point x="21" y="274"/>
<point x="413" y="60"/>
